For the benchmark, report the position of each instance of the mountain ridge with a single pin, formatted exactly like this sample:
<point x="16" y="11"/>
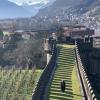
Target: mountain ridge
<point x="78" y="6"/>
<point x="11" y="10"/>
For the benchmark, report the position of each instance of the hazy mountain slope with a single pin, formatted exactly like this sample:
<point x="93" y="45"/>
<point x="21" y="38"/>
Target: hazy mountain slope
<point x="33" y="8"/>
<point x="88" y="5"/>
<point x="57" y="7"/>
<point x="11" y="10"/>
<point x="94" y="7"/>
<point x="60" y="7"/>
<point x="64" y="3"/>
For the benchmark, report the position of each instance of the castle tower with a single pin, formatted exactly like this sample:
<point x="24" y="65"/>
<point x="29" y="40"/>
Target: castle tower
<point x="47" y="49"/>
<point x="54" y="36"/>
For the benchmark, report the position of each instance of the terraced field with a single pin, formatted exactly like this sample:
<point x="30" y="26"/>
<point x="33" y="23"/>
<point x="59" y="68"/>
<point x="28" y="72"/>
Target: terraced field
<point x="18" y="84"/>
<point x="65" y="69"/>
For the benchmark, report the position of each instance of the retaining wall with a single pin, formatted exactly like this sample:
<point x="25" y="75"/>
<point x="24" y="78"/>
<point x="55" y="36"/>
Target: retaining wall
<point x="89" y="93"/>
<point x="39" y="92"/>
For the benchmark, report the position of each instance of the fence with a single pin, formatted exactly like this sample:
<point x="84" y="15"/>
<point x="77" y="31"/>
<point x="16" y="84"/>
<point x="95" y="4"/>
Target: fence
<point x="88" y="91"/>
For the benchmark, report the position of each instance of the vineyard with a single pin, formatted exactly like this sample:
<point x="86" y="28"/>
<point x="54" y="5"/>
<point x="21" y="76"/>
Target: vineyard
<point x="18" y="84"/>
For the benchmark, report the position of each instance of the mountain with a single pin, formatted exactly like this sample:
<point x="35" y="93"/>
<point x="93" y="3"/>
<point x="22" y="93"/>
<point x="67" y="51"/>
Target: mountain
<point x="93" y="7"/>
<point x="11" y="10"/>
<point x="62" y="7"/>
<point x="57" y="7"/>
<point x="89" y="6"/>
<point x="64" y="3"/>
<point x="33" y="8"/>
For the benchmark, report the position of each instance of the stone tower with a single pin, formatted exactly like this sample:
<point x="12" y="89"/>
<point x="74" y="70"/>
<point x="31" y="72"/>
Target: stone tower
<point x="54" y="36"/>
<point x="47" y="49"/>
<point x="50" y="45"/>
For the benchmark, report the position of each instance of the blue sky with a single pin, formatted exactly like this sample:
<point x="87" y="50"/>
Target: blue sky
<point x="28" y="1"/>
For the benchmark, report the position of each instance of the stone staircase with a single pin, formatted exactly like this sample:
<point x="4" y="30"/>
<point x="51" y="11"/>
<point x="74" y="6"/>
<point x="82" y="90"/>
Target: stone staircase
<point x="65" y="70"/>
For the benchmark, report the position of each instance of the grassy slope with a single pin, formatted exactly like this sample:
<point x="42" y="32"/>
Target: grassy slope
<point x="16" y="84"/>
<point x="65" y="69"/>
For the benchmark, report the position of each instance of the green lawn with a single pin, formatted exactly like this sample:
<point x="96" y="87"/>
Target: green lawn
<point x="18" y="84"/>
<point x="65" y="69"/>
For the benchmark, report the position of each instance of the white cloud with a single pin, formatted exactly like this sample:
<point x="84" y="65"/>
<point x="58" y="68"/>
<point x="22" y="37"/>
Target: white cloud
<point x="19" y="2"/>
